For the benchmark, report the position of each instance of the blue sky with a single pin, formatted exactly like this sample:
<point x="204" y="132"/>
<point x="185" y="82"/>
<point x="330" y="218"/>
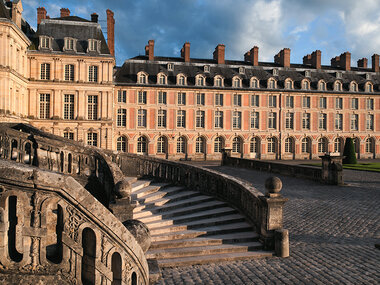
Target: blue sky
<point x="333" y="26"/>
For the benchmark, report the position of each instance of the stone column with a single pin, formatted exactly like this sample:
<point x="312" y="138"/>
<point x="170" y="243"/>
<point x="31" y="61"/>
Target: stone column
<point x="332" y="169"/>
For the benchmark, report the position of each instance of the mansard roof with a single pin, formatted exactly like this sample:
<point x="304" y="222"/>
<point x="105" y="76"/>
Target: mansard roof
<point x="74" y="27"/>
<point x="127" y="73"/>
<point x="4" y="13"/>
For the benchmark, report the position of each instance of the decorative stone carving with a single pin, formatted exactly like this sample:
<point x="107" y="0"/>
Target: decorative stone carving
<point x="73" y="222"/>
<point x="35" y="213"/>
<point x="35" y="265"/>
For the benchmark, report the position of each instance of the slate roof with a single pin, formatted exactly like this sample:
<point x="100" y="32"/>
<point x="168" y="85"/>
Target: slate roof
<point x="73" y="27"/>
<point x="127" y="73"/>
<point x="4" y="11"/>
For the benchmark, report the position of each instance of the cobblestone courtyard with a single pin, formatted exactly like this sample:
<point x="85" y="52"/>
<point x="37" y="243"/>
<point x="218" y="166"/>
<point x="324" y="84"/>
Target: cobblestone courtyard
<point x="332" y="231"/>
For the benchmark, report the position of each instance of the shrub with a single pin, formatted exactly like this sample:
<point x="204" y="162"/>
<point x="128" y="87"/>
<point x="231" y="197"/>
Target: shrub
<point x="349" y="152"/>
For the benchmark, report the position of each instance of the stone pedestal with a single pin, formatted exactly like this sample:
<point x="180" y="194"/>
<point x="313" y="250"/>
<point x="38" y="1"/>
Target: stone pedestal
<point x="226" y="152"/>
<point x="332" y="169"/>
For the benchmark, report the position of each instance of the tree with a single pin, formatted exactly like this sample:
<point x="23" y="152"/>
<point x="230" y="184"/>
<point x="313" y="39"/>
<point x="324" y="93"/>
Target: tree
<point x="349" y="152"/>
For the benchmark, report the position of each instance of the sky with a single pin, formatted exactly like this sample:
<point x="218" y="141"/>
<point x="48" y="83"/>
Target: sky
<point x="332" y="26"/>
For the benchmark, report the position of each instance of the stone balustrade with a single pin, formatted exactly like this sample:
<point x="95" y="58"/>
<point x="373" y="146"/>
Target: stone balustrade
<point x="54" y="231"/>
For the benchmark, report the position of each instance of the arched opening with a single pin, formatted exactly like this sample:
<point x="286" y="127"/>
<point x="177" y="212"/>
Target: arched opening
<point x="28" y="153"/>
<point x="14" y="152"/>
<point x="162" y="145"/>
<point x="181" y="145"/>
<point x="200" y="146"/>
<point x="306" y="146"/>
<point x="69" y="162"/>
<point x="357" y="147"/>
<point x="289" y="146"/>
<point x="121" y="144"/>
<point x="272" y="145"/>
<point x="134" y="278"/>
<point x="338" y="145"/>
<point x="370" y="146"/>
<point x="54" y="235"/>
<point x="322" y="145"/>
<point x="254" y="147"/>
<point x="89" y="254"/>
<point x="218" y="145"/>
<point x="79" y="164"/>
<point x="116" y="269"/>
<point x="14" y="254"/>
<point x="62" y="161"/>
<point x="141" y="145"/>
<point x="236" y="145"/>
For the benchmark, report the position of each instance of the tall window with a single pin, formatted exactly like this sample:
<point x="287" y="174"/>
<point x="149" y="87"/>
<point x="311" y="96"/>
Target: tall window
<point x="272" y="120"/>
<point x="68" y="135"/>
<point x="339" y="122"/>
<point x="353" y="87"/>
<point x="322" y="102"/>
<point x="162" y="79"/>
<point x="68" y="107"/>
<point x="181" y="145"/>
<point x="44" y="42"/>
<point x="200" y="119"/>
<point x="272" y="145"/>
<point x="272" y="101"/>
<point x="369" y="122"/>
<point x="92" y="101"/>
<point x="306" y="85"/>
<point x="161" y="118"/>
<point x="271" y="84"/>
<point x="181" y="80"/>
<point x="92" y="45"/>
<point x="337" y="145"/>
<point x="161" y="97"/>
<point x="369" y="88"/>
<point x="369" y="103"/>
<point x="45" y="71"/>
<point x="338" y="86"/>
<point x="255" y="120"/>
<point x="69" y="72"/>
<point x="44" y="106"/>
<point x="237" y="100"/>
<point x="306" y="102"/>
<point x="255" y="83"/>
<point x="322" y="121"/>
<point x="92" y="139"/>
<point x="236" y="83"/>
<point x="306" y="121"/>
<point x="218" y="144"/>
<point x="322" y="145"/>
<point x="142" y="78"/>
<point x="236" y="145"/>
<point x="354" y="103"/>
<point x="141" y="118"/>
<point x="93" y="73"/>
<point x="305" y="145"/>
<point x="69" y="44"/>
<point x="122" y="96"/>
<point x="289" y="120"/>
<point x="199" y="145"/>
<point x="200" y="81"/>
<point x="122" y="117"/>
<point x="181" y="99"/>
<point x="288" y="84"/>
<point x="201" y="99"/>
<point x="289" y="145"/>
<point x="369" y="145"/>
<point x="289" y="101"/>
<point x="339" y="103"/>
<point x="181" y="119"/>
<point x="236" y="120"/>
<point x="354" y="122"/>
<point x="141" y="145"/>
<point x="121" y="144"/>
<point x="218" y="99"/>
<point x="254" y="146"/>
<point x="218" y="82"/>
<point x="322" y="86"/>
<point x="161" y="145"/>
<point x="218" y="119"/>
<point x="255" y="101"/>
<point x="141" y="97"/>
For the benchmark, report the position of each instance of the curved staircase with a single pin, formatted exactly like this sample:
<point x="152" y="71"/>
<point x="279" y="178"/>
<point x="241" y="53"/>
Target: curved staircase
<point x="190" y="228"/>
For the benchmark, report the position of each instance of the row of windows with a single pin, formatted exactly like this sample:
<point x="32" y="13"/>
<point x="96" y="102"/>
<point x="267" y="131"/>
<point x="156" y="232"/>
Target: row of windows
<point x="255" y="145"/>
<point x="69" y="72"/>
<point x="237" y="82"/>
<point x="237" y="100"/>
<point x="70" y="44"/>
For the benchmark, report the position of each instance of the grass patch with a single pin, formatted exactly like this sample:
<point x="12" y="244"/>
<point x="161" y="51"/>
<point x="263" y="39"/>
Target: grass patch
<point x="372" y="166"/>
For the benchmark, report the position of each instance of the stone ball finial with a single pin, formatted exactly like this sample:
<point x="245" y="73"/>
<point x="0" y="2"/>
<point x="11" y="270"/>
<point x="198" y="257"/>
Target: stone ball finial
<point x="123" y="189"/>
<point x="273" y="185"/>
<point x="141" y="233"/>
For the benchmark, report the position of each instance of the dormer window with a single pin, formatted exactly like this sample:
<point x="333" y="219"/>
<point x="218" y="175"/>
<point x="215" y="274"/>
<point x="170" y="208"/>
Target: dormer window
<point x="353" y="87"/>
<point x="271" y="83"/>
<point x="170" y="66"/>
<point x="254" y="83"/>
<point x="206" y="68"/>
<point x="339" y="75"/>
<point x="161" y="79"/>
<point x="200" y="80"/>
<point x="93" y="45"/>
<point x="181" y="80"/>
<point x="368" y="88"/>
<point x="236" y="82"/>
<point x="306" y="85"/>
<point x="241" y="70"/>
<point x="70" y="44"/>
<point x="322" y="86"/>
<point x="218" y="81"/>
<point x="307" y="73"/>
<point x="288" y="84"/>
<point x="275" y="72"/>
<point x="338" y="86"/>
<point x="45" y="42"/>
<point x="368" y="76"/>
<point x="142" y="78"/>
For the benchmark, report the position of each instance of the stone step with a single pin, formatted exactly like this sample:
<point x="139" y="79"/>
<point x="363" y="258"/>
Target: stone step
<point x="236" y="237"/>
<point x="168" y="229"/>
<point x="139" y="184"/>
<point x="227" y="229"/>
<point x="186" y="234"/>
<point x="215" y="258"/>
<point x="201" y="250"/>
<point x="198" y="241"/>
<point x="130" y="179"/>
<point x="158" y="201"/>
<point x="154" y="215"/>
<point x="150" y="190"/>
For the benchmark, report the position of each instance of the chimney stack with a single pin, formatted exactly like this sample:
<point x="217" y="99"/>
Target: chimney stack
<point x="41" y="14"/>
<point x="307" y="59"/>
<point x="149" y="49"/>
<point x="185" y="52"/>
<point x="111" y="31"/>
<point x="363" y="62"/>
<point x="283" y="57"/>
<point x="65" y="12"/>
<point x="218" y="54"/>
<point x="375" y="63"/>
<point x="94" y="17"/>
<point x="343" y="61"/>
<point x="252" y="56"/>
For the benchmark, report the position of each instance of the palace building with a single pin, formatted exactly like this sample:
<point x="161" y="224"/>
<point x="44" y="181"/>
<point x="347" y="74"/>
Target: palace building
<point x="62" y="78"/>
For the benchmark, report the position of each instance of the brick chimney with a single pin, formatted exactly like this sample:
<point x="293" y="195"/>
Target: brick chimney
<point x="41" y="14"/>
<point x="185" y="52"/>
<point x="343" y="61"/>
<point x="363" y="62"/>
<point x="149" y="49"/>
<point x="252" y="56"/>
<point x="65" y="12"/>
<point x="375" y="63"/>
<point x="283" y="57"/>
<point x="94" y="17"/>
<point x="307" y="59"/>
<point x="218" y="54"/>
<point x="111" y="31"/>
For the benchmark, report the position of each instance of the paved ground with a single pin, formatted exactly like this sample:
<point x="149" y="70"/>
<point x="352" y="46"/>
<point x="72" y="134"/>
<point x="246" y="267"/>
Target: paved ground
<point x="333" y="231"/>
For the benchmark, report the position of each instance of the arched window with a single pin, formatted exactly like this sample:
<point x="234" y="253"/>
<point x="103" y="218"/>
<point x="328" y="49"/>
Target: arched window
<point x="161" y="145"/>
<point x="305" y="85"/>
<point x="121" y="144"/>
<point x="14" y="150"/>
<point x="28" y="153"/>
<point x="181" y="145"/>
<point x="89" y="256"/>
<point x="54" y="234"/>
<point x="353" y="87"/>
<point x="236" y="145"/>
<point x="271" y="83"/>
<point x="322" y="145"/>
<point x="116" y="268"/>
<point x="142" y="78"/>
<point x="288" y="84"/>
<point x="357" y="145"/>
<point x="370" y="145"/>
<point x="289" y="145"/>
<point x="161" y="79"/>
<point x="141" y="145"/>
<point x="13" y="220"/>
<point x="236" y="82"/>
<point x="368" y="87"/>
<point x="306" y="145"/>
<point x="200" y="80"/>
<point x="199" y="145"/>
<point x="218" y="144"/>
<point x="254" y="146"/>
<point x="338" y="145"/>
<point x="272" y="145"/>
<point x="254" y="83"/>
<point x="322" y="86"/>
<point x="181" y="80"/>
<point x="218" y="81"/>
<point x="338" y="86"/>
